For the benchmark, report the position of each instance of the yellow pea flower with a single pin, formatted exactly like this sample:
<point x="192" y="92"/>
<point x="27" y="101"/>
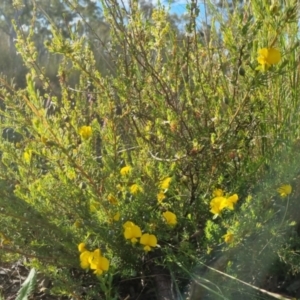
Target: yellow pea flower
<point x="112" y="199"/>
<point x="268" y="57"/>
<point x="160" y="196"/>
<point x="85" y="132"/>
<point x="125" y="170"/>
<point x="81" y="247"/>
<point x="229" y="202"/>
<point x="170" y="218"/>
<point x="77" y="224"/>
<point x="84" y="259"/>
<point x="100" y="265"/>
<point x="27" y="156"/>
<point x="218" y="193"/>
<point x="165" y="183"/>
<point x="4" y="240"/>
<point x="128" y="224"/>
<point x="132" y="232"/>
<point x="116" y="217"/>
<point x="233" y="199"/>
<point x="149" y="241"/>
<point x="228" y="237"/>
<point x="98" y="262"/>
<point x="135" y="188"/>
<point x="217" y="204"/>
<point x="94" y="255"/>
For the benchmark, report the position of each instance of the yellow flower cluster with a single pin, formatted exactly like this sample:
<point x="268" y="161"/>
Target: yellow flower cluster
<point x="132" y="232"/>
<point x="163" y="186"/>
<point x="134" y="188"/>
<point x="92" y="260"/>
<point x="219" y="202"/>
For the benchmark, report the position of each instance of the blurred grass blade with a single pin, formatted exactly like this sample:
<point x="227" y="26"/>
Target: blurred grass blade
<point x="27" y="286"/>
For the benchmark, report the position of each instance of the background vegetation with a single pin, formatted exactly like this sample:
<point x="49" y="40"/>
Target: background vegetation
<point x="124" y="113"/>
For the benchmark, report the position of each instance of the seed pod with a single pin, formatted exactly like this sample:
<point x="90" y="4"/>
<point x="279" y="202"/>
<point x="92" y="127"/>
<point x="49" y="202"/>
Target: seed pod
<point x="242" y="71"/>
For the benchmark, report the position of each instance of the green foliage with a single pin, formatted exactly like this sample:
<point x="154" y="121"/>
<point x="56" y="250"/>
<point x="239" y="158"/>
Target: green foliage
<point x="184" y="115"/>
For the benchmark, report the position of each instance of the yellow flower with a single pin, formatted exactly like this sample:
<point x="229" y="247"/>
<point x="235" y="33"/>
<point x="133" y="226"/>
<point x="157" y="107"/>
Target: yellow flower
<point x="161" y="196"/>
<point x="100" y="265"/>
<point x="84" y="259"/>
<point x="216" y="205"/>
<point x="218" y="193"/>
<point x="148" y="240"/>
<point x="268" y="57"/>
<point x="132" y="232"/>
<point x="112" y="199"/>
<point x="165" y="183"/>
<point x="228" y="237"/>
<point x="85" y="132"/>
<point x="284" y="190"/>
<point x="95" y="254"/>
<point x="125" y="170"/>
<point x="226" y="204"/>
<point x="229" y="202"/>
<point x="77" y="224"/>
<point x="170" y="218"/>
<point x="27" y="156"/>
<point x="135" y="188"/>
<point x="4" y="240"/>
<point x="233" y="199"/>
<point x="98" y="262"/>
<point x="81" y="247"/>
<point x="128" y="224"/>
<point x="116" y="217"/>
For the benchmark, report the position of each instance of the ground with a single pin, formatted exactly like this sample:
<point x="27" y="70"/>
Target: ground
<point x="12" y="275"/>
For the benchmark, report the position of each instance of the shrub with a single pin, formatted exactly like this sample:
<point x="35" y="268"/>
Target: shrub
<point x="180" y="148"/>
